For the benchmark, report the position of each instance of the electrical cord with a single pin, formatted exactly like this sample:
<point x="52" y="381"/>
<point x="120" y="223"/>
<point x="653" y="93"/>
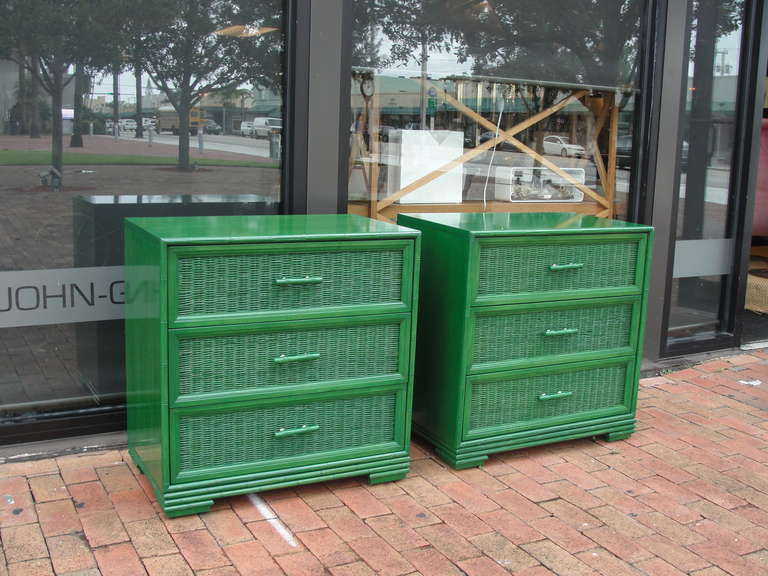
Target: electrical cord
<point x="493" y="153"/>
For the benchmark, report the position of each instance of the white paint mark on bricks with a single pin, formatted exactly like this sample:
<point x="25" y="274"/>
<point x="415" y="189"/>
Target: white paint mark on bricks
<point x="750" y="382"/>
<point x="268" y="514"/>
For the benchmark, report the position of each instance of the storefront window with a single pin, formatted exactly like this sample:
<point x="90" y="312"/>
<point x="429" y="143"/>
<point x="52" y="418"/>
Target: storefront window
<point x="499" y="105"/>
<point x="698" y="304"/>
<point x="111" y="110"/>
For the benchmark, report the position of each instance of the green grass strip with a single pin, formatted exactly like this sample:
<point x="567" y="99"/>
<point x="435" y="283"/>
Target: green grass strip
<point x="43" y="158"/>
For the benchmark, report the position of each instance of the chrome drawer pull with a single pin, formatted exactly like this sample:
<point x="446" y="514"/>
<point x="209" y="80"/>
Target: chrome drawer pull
<point x="555" y="396"/>
<point x="563" y="332"/>
<point x="571" y="266"/>
<point x="282" y="433"/>
<point x="283" y="359"/>
<point x="298" y="281"/>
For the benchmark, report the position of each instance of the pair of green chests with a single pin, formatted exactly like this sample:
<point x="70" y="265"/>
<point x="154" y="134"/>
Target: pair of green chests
<point x="271" y="351"/>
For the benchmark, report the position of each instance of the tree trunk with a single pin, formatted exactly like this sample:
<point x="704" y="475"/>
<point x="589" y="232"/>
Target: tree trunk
<point x="23" y="114"/>
<point x="76" y="140"/>
<point x="139" y="104"/>
<point x="423" y="89"/>
<point x="34" y="105"/>
<point x="115" y="98"/>
<point x="184" y="163"/>
<point x="57" y="98"/>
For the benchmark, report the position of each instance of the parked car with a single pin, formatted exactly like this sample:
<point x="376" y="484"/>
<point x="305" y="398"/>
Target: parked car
<point x="246" y="128"/>
<point x="211" y="127"/>
<point x="561" y="146"/>
<point x="624" y="153"/>
<point x="128" y="124"/>
<point x="262" y="127"/>
<point x="503" y="145"/>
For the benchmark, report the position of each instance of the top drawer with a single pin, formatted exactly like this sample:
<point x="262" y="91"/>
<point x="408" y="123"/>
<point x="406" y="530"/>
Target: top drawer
<point x="243" y="283"/>
<point x="557" y="267"/>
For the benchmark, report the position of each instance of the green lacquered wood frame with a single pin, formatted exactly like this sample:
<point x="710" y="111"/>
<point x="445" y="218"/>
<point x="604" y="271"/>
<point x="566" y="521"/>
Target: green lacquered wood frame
<point x="146" y="335"/>
<point x="400" y="377"/>
<point x="398" y="444"/>
<point x="299" y="248"/>
<point x="634" y="301"/>
<point x="147" y="243"/>
<point x="565" y="239"/>
<point x="450" y="249"/>
<point x="625" y="408"/>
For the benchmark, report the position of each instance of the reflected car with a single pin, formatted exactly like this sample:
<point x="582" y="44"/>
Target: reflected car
<point x="561" y="146"/>
<point x="385" y="132"/>
<point x="624" y="152"/>
<point x="211" y="127"/>
<point x="503" y="145"/>
<point x="262" y="127"/>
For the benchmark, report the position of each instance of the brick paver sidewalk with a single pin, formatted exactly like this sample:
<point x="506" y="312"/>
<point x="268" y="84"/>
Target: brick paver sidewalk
<point x="687" y="494"/>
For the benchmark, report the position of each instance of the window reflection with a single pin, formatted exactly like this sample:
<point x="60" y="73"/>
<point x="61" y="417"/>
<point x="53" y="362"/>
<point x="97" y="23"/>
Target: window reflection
<point x="112" y="109"/>
<point x="708" y="127"/>
<point x="495" y="105"/>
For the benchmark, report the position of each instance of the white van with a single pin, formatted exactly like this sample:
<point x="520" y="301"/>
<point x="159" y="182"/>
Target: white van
<point x="246" y="128"/>
<point x="262" y="127"/>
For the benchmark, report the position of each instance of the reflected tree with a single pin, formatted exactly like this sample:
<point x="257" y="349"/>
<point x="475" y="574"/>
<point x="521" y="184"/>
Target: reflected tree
<point x="50" y="38"/>
<point x="577" y="42"/>
<point x="194" y="47"/>
<point x="367" y="44"/>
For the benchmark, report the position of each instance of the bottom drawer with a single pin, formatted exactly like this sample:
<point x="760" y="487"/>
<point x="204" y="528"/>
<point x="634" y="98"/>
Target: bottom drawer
<point x="212" y="441"/>
<point x="523" y="399"/>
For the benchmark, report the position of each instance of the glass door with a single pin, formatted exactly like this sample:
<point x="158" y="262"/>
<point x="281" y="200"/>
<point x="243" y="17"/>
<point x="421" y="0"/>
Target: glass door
<point x="698" y="310"/>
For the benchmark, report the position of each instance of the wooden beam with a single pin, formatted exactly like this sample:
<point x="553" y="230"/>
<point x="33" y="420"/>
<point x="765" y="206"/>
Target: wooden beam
<point x="373" y="198"/>
<point x="613" y="139"/>
<point x="598" y="158"/>
<point x="557" y="170"/>
<point x="487" y="145"/>
<point x="392" y="211"/>
<point x="517" y="128"/>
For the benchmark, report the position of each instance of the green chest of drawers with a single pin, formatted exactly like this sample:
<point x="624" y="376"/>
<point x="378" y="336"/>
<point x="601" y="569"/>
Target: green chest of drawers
<point x="530" y="330"/>
<point x="267" y="351"/>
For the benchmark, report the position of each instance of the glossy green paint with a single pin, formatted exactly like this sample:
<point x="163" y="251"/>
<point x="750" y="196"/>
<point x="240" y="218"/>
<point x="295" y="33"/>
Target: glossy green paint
<point x="522" y="224"/>
<point x="450" y="307"/>
<point x="301" y="385"/>
<point x="398" y="443"/>
<point x="568" y="336"/>
<point x="301" y="253"/>
<point x="558" y="271"/>
<point x="153" y="334"/>
<point x="246" y="229"/>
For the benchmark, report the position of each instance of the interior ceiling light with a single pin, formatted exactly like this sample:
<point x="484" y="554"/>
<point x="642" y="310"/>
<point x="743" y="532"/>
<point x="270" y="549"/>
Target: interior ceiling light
<point x="244" y="31"/>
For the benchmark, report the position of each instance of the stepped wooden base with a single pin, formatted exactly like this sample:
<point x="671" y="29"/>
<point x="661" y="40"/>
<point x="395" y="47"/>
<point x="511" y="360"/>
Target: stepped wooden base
<point x="474" y="453"/>
<point x="196" y="497"/>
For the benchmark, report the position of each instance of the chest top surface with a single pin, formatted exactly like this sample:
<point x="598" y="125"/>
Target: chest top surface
<point x="271" y="228"/>
<point x="498" y="223"/>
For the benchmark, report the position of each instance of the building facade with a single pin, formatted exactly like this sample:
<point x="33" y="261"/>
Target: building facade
<point x="640" y="110"/>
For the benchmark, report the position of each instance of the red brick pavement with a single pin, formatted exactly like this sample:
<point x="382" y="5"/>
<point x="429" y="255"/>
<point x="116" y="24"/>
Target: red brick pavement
<point x="686" y="494"/>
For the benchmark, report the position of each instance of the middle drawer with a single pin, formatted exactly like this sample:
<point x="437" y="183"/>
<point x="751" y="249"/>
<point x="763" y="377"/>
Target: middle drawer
<point x="232" y="362"/>
<point x="513" y="336"/>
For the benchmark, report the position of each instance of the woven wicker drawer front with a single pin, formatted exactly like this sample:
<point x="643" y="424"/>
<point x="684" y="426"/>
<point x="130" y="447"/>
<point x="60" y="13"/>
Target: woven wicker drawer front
<point x="525" y="401"/>
<point x="550" y="265"/>
<point x="547" y="333"/>
<point x="259" y="359"/>
<point x="254" y="436"/>
<point x="289" y="279"/>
